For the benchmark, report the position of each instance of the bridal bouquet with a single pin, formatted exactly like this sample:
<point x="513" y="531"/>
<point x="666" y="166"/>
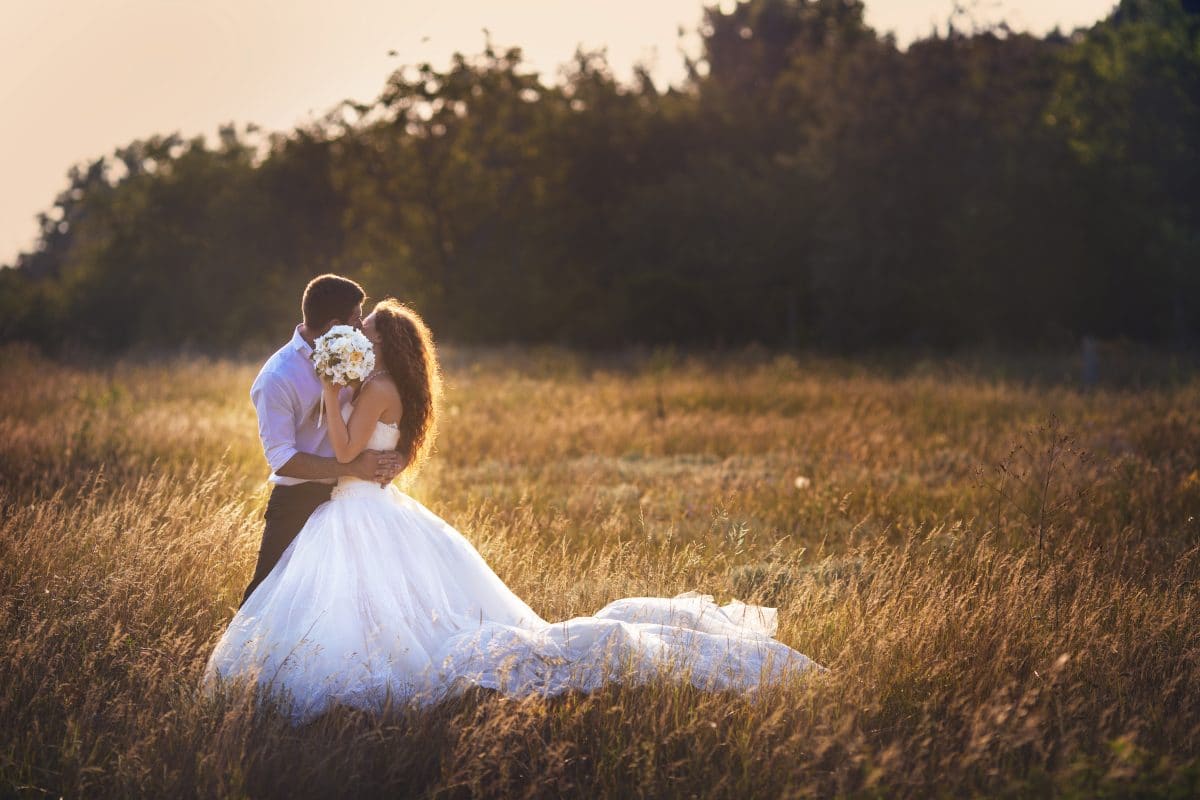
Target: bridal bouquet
<point x="343" y="354"/>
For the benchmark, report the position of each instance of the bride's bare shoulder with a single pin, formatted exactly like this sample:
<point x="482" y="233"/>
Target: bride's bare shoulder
<point x="381" y="383"/>
<point x="382" y="390"/>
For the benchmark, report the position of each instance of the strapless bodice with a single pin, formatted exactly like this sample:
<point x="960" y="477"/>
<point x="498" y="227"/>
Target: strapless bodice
<point x="384" y="437"/>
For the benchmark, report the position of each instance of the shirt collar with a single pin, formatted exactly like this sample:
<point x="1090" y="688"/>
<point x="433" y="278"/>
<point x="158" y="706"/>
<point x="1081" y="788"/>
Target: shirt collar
<point x="299" y="344"/>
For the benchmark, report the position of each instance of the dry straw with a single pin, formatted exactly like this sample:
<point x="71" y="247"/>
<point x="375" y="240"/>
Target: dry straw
<point x="131" y="503"/>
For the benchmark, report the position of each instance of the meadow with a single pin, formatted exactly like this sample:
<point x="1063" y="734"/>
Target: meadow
<point x="998" y="568"/>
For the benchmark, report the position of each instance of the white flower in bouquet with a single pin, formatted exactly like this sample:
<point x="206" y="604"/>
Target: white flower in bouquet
<point x="343" y="355"/>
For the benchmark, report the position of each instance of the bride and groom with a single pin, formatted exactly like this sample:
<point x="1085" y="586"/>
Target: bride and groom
<point x="362" y="595"/>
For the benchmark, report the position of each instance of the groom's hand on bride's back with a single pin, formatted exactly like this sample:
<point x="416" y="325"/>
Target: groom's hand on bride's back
<point x="380" y="466"/>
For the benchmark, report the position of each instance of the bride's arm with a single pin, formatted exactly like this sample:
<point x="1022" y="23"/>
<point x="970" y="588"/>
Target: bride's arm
<point x="350" y="439"/>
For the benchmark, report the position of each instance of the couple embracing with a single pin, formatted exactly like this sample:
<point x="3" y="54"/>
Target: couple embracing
<point x="363" y="597"/>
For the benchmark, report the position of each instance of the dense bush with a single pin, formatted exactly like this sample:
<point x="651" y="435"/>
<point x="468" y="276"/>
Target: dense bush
<point x="811" y="184"/>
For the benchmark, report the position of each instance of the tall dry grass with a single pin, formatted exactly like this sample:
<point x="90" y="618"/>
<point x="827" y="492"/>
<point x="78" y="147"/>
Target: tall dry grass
<point x="908" y="563"/>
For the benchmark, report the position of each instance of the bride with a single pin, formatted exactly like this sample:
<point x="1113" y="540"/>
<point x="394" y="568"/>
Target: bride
<point x="378" y="598"/>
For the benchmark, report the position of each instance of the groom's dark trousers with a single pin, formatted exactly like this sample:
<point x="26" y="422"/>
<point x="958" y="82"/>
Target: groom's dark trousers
<point x="287" y="511"/>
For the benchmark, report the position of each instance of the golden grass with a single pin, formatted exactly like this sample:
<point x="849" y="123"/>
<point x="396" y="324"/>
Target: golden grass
<point x="131" y="501"/>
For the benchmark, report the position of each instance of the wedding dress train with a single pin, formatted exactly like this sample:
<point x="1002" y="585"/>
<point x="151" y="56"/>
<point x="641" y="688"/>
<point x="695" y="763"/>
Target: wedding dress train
<point x="378" y="597"/>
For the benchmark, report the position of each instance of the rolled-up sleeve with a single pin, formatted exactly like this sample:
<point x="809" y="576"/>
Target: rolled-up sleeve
<point x="276" y="422"/>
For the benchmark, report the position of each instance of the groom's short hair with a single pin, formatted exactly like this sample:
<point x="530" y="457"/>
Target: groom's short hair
<point x="329" y="297"/>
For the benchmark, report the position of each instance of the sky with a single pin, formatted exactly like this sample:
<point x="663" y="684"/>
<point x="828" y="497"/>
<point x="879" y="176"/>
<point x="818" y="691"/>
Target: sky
<point x="79" y="78"/>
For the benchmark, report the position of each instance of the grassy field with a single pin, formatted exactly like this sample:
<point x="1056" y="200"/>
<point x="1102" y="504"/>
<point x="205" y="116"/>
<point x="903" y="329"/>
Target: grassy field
<point x="1000" y="574"/>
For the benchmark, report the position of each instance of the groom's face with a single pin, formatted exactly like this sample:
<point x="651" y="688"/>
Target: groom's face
<point x="353" y="319"/>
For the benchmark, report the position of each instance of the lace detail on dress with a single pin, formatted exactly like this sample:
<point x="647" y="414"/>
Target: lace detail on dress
<point x="384" y="437"/>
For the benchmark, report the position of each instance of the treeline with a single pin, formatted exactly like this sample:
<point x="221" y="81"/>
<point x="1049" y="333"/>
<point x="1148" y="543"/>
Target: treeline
<point x="810" y="185"/>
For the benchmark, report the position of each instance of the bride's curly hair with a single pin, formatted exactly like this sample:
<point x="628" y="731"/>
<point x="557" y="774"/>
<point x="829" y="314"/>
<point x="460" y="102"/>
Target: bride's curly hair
<point x="410" y="358"/>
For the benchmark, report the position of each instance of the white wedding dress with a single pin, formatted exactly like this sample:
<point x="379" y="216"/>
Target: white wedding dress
<point x="378" y="597"/>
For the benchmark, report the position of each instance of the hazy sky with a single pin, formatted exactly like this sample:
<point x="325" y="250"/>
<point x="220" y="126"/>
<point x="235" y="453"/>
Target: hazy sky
<point x="80" y="77"/>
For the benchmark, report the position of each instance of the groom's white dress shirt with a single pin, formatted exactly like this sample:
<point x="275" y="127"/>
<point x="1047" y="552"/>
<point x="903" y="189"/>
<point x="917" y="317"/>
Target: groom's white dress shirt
<point x="287" y="396"/>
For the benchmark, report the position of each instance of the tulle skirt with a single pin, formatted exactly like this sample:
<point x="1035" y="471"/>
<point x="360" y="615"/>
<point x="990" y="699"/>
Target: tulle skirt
<point x="377" y="599"/>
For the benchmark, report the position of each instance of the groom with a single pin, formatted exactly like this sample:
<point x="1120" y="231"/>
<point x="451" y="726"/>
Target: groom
<point x="287" y="397"/>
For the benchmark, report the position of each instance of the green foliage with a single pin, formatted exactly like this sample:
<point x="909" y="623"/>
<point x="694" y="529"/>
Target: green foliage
<point x="810" y="185"/>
